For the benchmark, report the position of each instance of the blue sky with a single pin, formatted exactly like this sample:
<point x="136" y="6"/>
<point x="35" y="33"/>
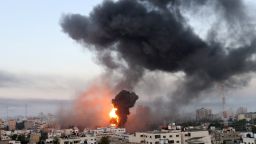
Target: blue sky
<point x="32" y="40"/>
<point x="34" y="48"/>
<point x="32" y="43"/>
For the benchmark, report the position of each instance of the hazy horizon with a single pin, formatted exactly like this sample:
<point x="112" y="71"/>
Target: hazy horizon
<point x="44" y="68"/>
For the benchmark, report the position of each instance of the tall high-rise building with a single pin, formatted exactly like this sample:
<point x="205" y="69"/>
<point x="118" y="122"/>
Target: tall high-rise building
<point x="203" y="114"/>
<point x="12" y="124"/>
<point x="1" y="124"/>
<point x="29" y="124"/>
<point x="241" y="110"/>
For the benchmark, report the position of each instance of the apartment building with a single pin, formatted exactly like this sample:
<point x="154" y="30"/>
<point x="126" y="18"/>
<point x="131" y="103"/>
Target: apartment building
<point x="171" y="137"/>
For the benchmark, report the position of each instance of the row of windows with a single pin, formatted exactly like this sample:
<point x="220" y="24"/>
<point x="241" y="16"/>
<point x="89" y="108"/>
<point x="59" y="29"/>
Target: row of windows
<point x="169" y="142"/>
<point x="159" y="136"/>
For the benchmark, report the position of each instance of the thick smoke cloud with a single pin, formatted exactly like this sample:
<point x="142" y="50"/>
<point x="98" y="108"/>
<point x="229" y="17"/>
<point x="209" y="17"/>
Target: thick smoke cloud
<point x="132" y="37"/>
<point x="123" y="101"/>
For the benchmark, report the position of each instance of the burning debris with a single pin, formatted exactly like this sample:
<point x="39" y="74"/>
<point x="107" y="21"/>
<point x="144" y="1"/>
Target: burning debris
<point x="123" y="101"/>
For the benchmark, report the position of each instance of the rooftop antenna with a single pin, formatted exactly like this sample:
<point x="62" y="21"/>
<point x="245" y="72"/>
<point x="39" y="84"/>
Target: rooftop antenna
<point x="224" y="112"/>
<point x="26" y="111"/>
<point x="7" y="113"/>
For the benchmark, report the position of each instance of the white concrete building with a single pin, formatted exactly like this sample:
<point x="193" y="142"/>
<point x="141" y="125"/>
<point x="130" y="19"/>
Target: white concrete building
<point x="248" y="138"/>
<point x="195" y="137"/>
<point x="88" y="139"/>
<point x="112" y="130"/>
<point x="49" y="141"/>
<point x="227" y="135"/>
<point x="171" y="137"/>
<point x="54" y="133"/>
<point x="14" y="142"/>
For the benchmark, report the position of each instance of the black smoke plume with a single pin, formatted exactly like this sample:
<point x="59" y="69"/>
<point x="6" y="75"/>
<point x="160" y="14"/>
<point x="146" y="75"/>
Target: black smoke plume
<point x="123" y="101"/>
<point x="133" y="37"/>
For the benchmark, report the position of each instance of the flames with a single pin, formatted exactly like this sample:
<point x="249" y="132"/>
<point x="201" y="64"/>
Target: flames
<point x="114" y="119"/>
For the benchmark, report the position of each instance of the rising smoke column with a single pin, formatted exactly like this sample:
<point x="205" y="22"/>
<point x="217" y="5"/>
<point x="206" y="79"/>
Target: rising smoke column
<point x="123" y="101"/>
<point x="132" y="37"/>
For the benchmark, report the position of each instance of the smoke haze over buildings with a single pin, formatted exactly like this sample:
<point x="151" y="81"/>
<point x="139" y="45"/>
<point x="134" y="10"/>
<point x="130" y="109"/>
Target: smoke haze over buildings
<point x="134" y="37"/>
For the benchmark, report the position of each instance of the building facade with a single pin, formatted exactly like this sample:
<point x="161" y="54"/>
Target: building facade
<point x="12" y="124"/>
<point x="86" y="139"/>
<point x="203" y="114"/>
<point x="171" y="137"/>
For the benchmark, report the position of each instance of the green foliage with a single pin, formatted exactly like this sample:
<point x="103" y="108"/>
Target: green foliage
<point x="20" y="126"/>
<point x="104" y="140"/>
<point x="254" y="129"/>
<point x="239" y="125"/>
<point x="44" y="135"/>
<point x="218" y="124"/>
<point x="55" y="140"/>
<point x="23" y="139"/>
<point x="189" y="123"/>
<point x="14" y="137"/>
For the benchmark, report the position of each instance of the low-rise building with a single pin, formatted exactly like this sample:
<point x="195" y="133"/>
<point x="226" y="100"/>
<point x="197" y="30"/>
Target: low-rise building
<point x="248" y="138"/>
<point x="246" y="116"/>
<point x="54" y="133"/>
<point x="14" y="142"/>
<point x="171" y="137"/>
<point x="108" y="130"/>
<point x="34" y="138"/>
<point x="4" y="136"/>
<point x="195" y="137"/>
<point x="227" y="135"/>
<point x="88" y="139"/>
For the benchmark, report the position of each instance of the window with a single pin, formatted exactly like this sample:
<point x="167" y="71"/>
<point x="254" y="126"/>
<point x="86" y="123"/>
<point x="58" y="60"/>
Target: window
<point x="177" y="135"/>
<point x="157" y="136"/>
<point x="177" y="141"/>
<point x="164" y="136"/>
<point x="171" y="141"/>
<point x="170" y="136"/>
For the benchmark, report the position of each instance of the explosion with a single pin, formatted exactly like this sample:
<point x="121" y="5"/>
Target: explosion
<point x="122" y="103"/>
<point x="114" y="119"/>
<point x="132" y="38"/>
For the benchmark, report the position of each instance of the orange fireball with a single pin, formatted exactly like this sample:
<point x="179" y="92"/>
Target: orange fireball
<point x="114" y="119"/>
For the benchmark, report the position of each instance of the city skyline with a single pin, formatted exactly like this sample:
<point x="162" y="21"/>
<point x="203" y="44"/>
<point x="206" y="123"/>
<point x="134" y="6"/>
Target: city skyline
<point x="38" y="61"/>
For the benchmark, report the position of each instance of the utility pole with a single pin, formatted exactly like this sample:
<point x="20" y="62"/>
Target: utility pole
<point x="7" y="113"/>
<point x="224" y="112"/>
<point x="26" y="111"/>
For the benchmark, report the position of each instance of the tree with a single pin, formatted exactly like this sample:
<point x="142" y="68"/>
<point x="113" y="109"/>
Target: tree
<point x="20" y="126"/>
<point x="56" y="140"/>
<point x="254" y="129"/>
<point x="104" y="140"/>
<point x="239" y="125"/>
<point x="23" y="139"/>
<point x="14" y="137"/>
<point x="44" y="135"/>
